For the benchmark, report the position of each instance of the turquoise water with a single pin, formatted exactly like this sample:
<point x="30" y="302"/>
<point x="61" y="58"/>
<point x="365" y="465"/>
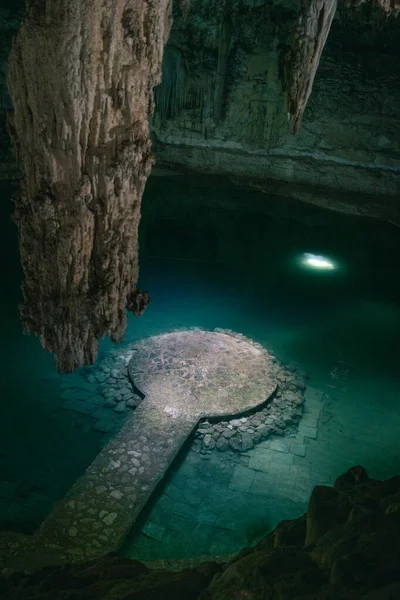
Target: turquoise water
<point x="43" y="448"/>
<point x="214" y="255"/>
<point x="207" y="260"/>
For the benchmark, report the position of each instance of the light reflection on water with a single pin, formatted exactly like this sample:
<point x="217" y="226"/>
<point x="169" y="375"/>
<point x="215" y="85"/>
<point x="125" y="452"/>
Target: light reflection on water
<point x="209" y="259"/>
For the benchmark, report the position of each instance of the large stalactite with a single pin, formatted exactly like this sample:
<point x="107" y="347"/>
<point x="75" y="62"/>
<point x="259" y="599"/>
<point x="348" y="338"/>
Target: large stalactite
<point x="308" y="40"/>
<point x="81" y="77"/>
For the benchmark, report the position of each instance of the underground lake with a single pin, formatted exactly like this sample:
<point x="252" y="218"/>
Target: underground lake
<point x="319" y="290"/>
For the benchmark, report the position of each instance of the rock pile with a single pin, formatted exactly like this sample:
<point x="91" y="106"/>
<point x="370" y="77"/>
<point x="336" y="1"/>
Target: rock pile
<point x="281" y="415"/>
<point x="346" y="547"/>
<point x="103" y="392"/>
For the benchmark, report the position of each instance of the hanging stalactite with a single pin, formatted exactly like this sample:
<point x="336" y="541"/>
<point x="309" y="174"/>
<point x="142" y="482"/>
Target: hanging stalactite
<point x="301" y="63"/>
<point x="81" y="76"/>
<point x="179" y="89"/>
<point x="225" y="38"/>
<point x="308" y="41"/>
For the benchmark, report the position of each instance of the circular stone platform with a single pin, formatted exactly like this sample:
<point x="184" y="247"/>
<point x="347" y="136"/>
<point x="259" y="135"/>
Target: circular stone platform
<point x="201" y="373"/>
<point x="186" y="376"/>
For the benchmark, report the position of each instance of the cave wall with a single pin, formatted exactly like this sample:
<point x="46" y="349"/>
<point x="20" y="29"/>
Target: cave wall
<point x="221" y="107"/>
<point x="11" y="12"/>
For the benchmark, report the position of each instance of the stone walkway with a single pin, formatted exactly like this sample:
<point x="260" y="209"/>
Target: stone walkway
<point x="217" y="503"/>
<point x="238" y="478"/>
<point x="221" y="502"/>
<point x="185" y="377"/>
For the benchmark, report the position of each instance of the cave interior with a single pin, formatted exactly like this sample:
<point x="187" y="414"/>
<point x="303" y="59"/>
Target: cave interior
<point x="246" y="155"/>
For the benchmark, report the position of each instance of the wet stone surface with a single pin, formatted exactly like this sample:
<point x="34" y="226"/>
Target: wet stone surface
<point x="186" y="377"/>
<point x="205" y="373"/>
<point x="105" y="394"/>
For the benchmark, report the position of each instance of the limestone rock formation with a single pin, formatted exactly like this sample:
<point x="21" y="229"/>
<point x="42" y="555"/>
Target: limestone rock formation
<point x="308" y="40"/>
<point x="81" y="77"/>
<point x="346" y="547"/>
<point x="112" y="578"/>
<point x="309" y="37"/>
<point x="222" y="108"/>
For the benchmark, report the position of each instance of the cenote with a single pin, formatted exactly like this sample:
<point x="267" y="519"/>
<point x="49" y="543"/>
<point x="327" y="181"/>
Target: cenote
<point x="214" y="255"/>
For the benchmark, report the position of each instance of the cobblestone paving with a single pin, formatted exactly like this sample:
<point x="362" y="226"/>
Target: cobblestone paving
<point x="185" y="377"/>
<point x="207" y="373"/>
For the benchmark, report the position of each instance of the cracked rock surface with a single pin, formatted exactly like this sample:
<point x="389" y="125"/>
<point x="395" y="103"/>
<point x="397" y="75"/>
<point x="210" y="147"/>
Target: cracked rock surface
<point x="81" y="78"/>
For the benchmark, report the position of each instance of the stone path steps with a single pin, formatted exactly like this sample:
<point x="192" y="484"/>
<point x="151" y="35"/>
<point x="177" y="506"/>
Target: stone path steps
<point x="104" y="504"/>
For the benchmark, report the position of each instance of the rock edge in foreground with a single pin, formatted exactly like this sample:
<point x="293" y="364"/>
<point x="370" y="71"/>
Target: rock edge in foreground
<point x="347" y="546"/>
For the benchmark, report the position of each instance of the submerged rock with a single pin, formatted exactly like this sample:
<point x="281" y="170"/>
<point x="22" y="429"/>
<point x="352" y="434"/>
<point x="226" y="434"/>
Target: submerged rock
<point x="246" y="442"/>
<point x="222" y="444"/>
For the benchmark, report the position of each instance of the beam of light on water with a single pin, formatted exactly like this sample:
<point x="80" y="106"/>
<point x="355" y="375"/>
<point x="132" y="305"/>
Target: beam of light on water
<point x="316" y="261"/>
